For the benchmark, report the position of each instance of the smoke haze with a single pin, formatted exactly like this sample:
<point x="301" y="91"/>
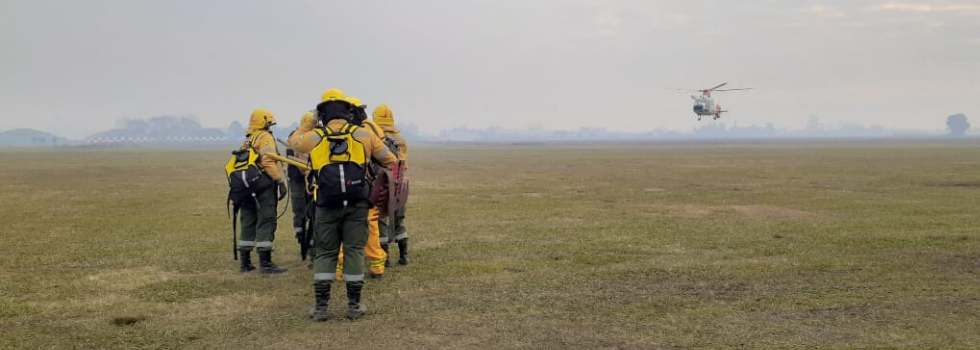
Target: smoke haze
<point x="75" y="68"/>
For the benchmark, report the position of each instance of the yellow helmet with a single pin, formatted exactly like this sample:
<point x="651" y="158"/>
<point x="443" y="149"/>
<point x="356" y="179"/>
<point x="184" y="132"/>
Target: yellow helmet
<point x="309" y="118"/>
<point x="333" y="94"/>
<point x="355" y="101"/>
<point x="261" y="119"/>
<point x="383" y="115"/>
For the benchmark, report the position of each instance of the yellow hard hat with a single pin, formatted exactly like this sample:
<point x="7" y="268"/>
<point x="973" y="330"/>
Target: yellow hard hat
<point x="261" y="119"/>
<point x="332" y="94"/>
<point x="383" y="115"/>
<point x="308" y="118"/>
<point x="355" y="101"/>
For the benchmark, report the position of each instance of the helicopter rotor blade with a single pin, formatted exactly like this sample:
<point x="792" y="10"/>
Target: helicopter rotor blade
<point x="716" y="87"/>
<point x="734" y="89"/>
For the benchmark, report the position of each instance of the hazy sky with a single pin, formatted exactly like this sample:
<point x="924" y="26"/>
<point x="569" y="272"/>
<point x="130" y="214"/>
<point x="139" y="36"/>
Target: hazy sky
<point x="75" y="67"/>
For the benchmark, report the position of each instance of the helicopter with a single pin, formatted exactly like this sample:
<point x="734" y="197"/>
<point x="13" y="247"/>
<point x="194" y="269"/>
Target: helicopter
<point x="704" y="104"/>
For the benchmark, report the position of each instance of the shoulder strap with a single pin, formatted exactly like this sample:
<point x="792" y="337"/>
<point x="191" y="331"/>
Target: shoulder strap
<point x="349" y="128"/>
<point x="375" y="130"/>
<point x="255" y="136"/>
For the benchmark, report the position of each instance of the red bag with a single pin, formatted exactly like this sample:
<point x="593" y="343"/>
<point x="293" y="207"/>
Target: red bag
<point x="390" y="190"/>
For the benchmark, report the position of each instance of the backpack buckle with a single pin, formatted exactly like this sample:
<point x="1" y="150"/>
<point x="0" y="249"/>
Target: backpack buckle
<point x="338" y="147"/>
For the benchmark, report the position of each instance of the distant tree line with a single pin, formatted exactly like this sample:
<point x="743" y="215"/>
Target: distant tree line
<point x="160" y="129"/>
<point x="957" y="124"/>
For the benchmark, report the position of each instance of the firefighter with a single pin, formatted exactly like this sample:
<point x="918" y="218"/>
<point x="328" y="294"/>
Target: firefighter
<point x="298" y="192"/>
<point x="259" y="216"/>
<point x="393" y="228"/>
<point x="340" y="153"/>
<point x="376" y="256"/>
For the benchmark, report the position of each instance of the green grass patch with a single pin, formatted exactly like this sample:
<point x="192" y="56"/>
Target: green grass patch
<point x="662" y="246"/>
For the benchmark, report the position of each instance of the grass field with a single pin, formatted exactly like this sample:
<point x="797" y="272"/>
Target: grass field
<point x="661" y="246"/>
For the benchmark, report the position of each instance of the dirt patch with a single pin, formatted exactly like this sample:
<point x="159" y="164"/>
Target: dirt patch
<point x="921" y="307"/>
<point x="127" y="279"/>
<point x="962" y="184"/>
<point x="836" y="311"/>
<point x="690" y="211"/>
<point x="229" y="306"/>
<point x="941" y="262"/>
<point x="96" y="302"/>
<point x="685" y="211"/>
<point x="566" y="220"/>
<point x="960" y="262"/>
<point x="127" y="320"/>
<point x="766" y="212"/>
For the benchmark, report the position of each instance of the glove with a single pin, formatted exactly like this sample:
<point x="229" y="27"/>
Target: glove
<point x="282" y="190"/>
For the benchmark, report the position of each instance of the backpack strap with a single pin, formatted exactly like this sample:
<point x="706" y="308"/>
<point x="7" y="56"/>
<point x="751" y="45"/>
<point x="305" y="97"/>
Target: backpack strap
<point x="386" y="139"/>
<point x="234" y="226"/>
<point x="375" y="130"/>
<point x="348" y="129"/>
<point x="251" y="145"/>
<point x="253" y="137"/>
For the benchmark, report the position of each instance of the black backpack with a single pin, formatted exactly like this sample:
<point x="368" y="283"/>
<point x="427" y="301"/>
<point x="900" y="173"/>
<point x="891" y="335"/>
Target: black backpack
<point x="390" y="143"/>
<point x="339" y="161"/>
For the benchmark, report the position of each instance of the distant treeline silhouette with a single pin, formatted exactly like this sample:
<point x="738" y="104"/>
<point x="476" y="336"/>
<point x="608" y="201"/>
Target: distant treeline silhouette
<point x="161" y="129"/>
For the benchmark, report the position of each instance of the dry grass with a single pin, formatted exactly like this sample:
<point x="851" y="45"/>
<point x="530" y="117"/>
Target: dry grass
<point x="595" y="247"/>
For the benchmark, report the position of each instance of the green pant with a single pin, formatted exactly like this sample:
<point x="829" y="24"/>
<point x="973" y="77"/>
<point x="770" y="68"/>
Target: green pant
<point x="393" y="228"/>
<point x="333" y="226"/>
<point x="259" y="221"/>
<point x="298" y="198"/>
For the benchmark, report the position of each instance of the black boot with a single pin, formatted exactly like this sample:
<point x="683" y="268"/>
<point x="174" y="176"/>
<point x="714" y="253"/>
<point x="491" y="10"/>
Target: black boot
<point x="266" y="266"/>
<point x="321" y="290"/>
<point x="245" y="256"/>
<point x="355" y="308"/>
<point x="384" y="246"/>
<point x="403" y="251"/>
<point x="299" y="237"/>
<point x="310" y="256"/>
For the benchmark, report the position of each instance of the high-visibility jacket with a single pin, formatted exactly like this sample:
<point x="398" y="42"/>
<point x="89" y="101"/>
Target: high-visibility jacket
<point x="393" y="133"/>
<point x="305" y="139"/>
<point x="264" y="144"/>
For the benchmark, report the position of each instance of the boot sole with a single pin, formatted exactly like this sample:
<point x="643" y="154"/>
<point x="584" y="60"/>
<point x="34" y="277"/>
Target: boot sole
<point x="353" y="315"/>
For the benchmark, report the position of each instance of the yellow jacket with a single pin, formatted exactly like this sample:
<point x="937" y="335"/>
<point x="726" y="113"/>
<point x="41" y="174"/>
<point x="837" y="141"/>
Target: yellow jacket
<point x="264" y="144"/>
<point x="305" y="139"/>
<point x="368" y="124"/>
<point x="303" y="157"/>
<point x="396" y="135"/>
